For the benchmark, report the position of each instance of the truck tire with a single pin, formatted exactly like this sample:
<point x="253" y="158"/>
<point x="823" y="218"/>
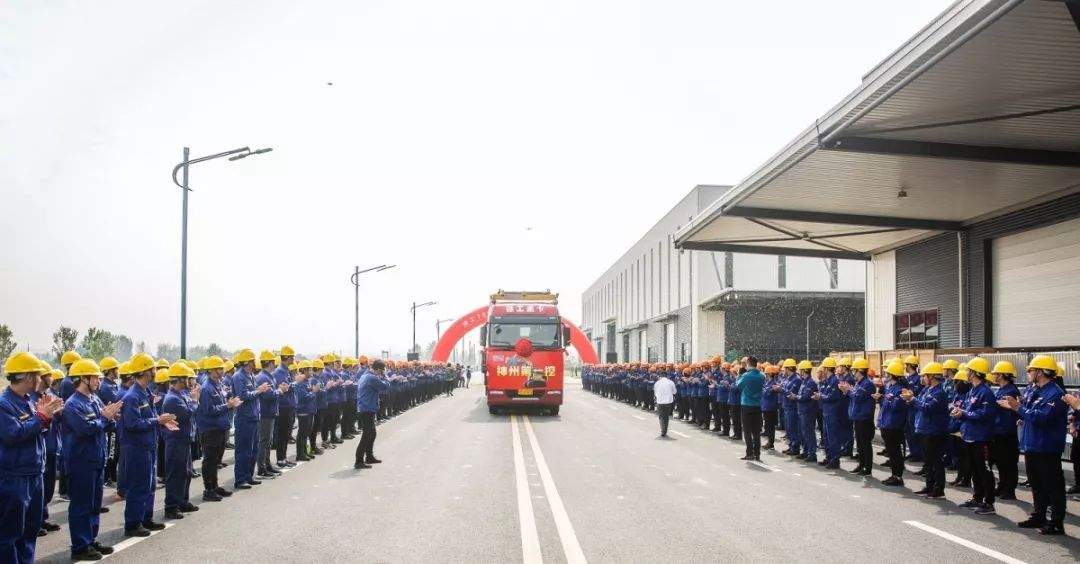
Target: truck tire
<point x="555" y="411"/>
<point x="492" y="410"/>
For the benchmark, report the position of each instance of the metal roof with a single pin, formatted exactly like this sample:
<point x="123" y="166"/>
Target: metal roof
<point x="976" y="115"/>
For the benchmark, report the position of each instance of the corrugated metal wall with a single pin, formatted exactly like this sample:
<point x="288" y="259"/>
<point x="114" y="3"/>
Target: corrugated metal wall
<point x="682" y="335"/>
<point x="977" y="257"/>
<point x="926" y="278"/>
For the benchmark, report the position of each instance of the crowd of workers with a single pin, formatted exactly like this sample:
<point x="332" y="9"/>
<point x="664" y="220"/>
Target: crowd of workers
<point x="138" y="425"/>
<point x="969" y="417"/>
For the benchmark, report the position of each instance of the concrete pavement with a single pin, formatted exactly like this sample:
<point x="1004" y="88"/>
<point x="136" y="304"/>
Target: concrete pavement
<point x="594" y="484"/>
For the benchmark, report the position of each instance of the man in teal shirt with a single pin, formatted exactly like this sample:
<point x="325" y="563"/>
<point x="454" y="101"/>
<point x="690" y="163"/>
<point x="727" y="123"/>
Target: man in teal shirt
<point x="750" y="384"/>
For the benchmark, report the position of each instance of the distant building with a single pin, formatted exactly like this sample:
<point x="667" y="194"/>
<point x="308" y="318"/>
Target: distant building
<point x="659" y="304"/>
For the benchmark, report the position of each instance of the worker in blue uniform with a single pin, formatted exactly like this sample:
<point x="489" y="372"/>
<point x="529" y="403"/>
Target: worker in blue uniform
<point x="85" y="421"/>
<point x="735" y="403"/>
<point x="961" y="387"/>
<point x="178" y="442"/>
<point x="914" y="381"/>
<point x="138" y="443"/>
<point x="1005" y="445"/>
<point x="829" y="394"/>
<point x="847" y="427"/>
<point x="791" y="407"/>
<point x="808" y="410"/>
<point x="246" y="425"/>
<point x="1043" y="414"/>
<point x="283" y="374"/>
<point x="770" y="404"/>
<point x="932" y="424"/>
<point x="268" y="413"/>
<point x="892" y="419"/>
<point x="213" y="418"/>
<point x="371" y="383"/>
<point x="976" y="428"/>
<point x="108" y="393"/>
<point x="22" y="457"/>
<point x="305" y="411"/>
<point x="320" y="383"/>
<point x="48" y="381"/>
<point x="860" y="412"/>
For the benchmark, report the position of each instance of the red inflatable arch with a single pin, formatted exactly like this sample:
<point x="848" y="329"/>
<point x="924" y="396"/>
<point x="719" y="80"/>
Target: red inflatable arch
<point x="479" y="316"/>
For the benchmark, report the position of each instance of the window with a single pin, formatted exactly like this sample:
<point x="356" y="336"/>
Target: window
<point x="781" y="271"/>
<point x="916" y="329"/>
<point x="506" y="335"/>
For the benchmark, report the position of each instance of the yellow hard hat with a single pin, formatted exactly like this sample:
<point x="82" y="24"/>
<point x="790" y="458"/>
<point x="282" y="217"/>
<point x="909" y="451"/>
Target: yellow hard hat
<point x="911" y="359"/>
<point x="828" y="362"/>
<point x="951" y="365"/>
<point x="180" y="369"/>
<point x="229" y="365"/>
<point x="303" y="365"/>
<point x="895" y="369"/>
<point x="125" y="368"/>
<point x="245" y="355"/>
<point x="860" y="364"/>
<point x="805" y="365"/>
<point x="318" y="364"/>
<point x="790" y="363"/>
<point x="293" y="366"/>
<point x="213" y="363"/>
<point x="961" y="375"/>
<point x="69" y="357"/>
<point x="934" y="369"/>
<point x="287" y="351"/>
<point x="266" y="356"/>
<point x="846" y="361"/>
<point x="108" y="363"/>
<point x="22" y="363"/>
<point x="979" y="364"/>
<point x="329" y="357"/>
<point x="54" y="374"/>
<point x="1060" y="369"/>
<point x="140" y="363"/>
<point x="84" y="367"/>
<point x="162" y="363"/>
<point x="348" y="361"/>
<point x="161" y="376"/>
<point x="1004" y="367"/>
<point x="1043" y="362"/>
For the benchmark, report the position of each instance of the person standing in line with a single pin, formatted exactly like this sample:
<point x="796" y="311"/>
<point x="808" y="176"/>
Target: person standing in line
<point x="283" y="374"/>
<point x="371" y="384"/>
<point x="178" y="442"/>
<point x="770" y="403"/>
<point x="860" y="413"/>
<point x="735" y="401"/>
<point x="791" y="407"/>
<point x="213" y="419"/>
<point x="305" y="412"/>
<point x="892" y="420"/>
<point x="246" y="432"/>
<point x="468" y="376"/>
<point x="750" y="385"/>
<point x="138" y="440"/>
<point x="976" y="428"/>
<point x="664" y="389"/>
<point x="1005" y="446"/>
<point x="808" y="411"/>
<point x="931" y="424"/>
<point x="269" y="403"/>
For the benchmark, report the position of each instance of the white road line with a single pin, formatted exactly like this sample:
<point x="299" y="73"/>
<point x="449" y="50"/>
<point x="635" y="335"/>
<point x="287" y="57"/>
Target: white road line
<point x="964" y="542"/>
<point x="530" y="539"/>
<point x="765" y="466"/>
<point x="639" y="417"/>
<point x="132" y="541"/>
<point x="571" y="548"/>
<point x="685" y="436"/>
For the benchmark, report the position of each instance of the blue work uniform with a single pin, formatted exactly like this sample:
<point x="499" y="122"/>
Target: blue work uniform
<point x="791" y="413"/>
<point x="831" y="409"/>
<point x="178" y="450"/>
<point x="85" y="450"/>
<point x="22" y="462"/>
<point x="914" y="382"/>
<point x="138" y="455"/>
<point x="246" y="434"/>
<point x="808" y="410"/>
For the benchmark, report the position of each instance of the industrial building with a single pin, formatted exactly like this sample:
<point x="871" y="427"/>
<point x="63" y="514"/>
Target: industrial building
<point x="659" y="304"/>
<point x="953" y="171"/>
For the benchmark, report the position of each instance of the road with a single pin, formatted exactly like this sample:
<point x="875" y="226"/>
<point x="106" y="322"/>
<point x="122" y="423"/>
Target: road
<point x="594" y="484"/>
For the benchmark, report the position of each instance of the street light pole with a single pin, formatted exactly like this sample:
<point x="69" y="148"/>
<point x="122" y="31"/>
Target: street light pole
<point x="355" y="279"/>
<point x="234" y="155"/>
<point x="438" y="328"/>
<point x="416" y="306"/>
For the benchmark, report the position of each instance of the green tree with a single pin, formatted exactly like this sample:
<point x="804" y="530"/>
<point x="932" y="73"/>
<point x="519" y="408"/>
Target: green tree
<point x="97" y="343"/>
<point x="7" y="344"/>
<point x="63" y="340"/>
<point x="168" y="351"/>
<point x="123" y="346"/>
<point x="215" y="350"/>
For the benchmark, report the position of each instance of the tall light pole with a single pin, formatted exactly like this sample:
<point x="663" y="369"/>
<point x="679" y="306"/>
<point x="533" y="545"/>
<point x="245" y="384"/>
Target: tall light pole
<point x="234" y="155"/>
<point x="355" y="279"/>
<point x="415" y="352"/>
<point x="438" y="327"/>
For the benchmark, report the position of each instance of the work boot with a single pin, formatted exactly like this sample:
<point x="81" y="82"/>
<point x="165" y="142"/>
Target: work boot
<point x="153" y="525"/>
<point x="137" y="531"/>
<point x="88" y="553"/>
<point x="222" y="491"/>
<point x="173" y="513"/>
<point x="188" y="508"/>
<point x="102" y="548"/>
<point x="211" y="496"/>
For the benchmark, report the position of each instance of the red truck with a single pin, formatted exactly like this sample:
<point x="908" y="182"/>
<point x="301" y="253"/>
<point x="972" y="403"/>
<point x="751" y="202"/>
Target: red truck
<point x="523" y="347"/>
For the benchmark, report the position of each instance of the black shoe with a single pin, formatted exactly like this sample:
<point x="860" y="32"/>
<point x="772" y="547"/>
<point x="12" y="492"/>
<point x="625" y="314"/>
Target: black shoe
<point x="138" y="531"/>
<point x="42" y="532"/>
<point x="242" y="487"/>
<point x="1052" y="529"/>
<point x="971" y="504"/>
<point x="196" y="474"/>
<point x="856" y="470"/>
<point x="865" y="472"/>
<point x="1073" y="490"/>
<point x="882" y="452"/>
<point x="102" y="548"/>
<point x="211" y="496"/>
<point x="173" y="513"/>
<point x="100" y="511"/>
<point x="985" y="509"/>
<point x="935" y="495"/>
<point x="892" y="481"/>
<point x="747" y="457"/>
<point x="50" y="526"/>
<point x="152" y="526"/>
<point x="222" y="491"/>
<point x="372" y="460"/>
<point x="319" y="451"/>
<point x="188" y="508"/>
<point x="361" y="465"/>
<point x="834" y="465"/>
<point x="923" y="491"/>
<point x="88" y="553"/>
<point x="1031" y="523"/>
<point x="221" y="465"/>
<point x="336" y="441"/>
<point x="1007" y="495"/>
<point x="285" y="464"/>
<point x="303" y="459"/>
<point x="254" y="482"/>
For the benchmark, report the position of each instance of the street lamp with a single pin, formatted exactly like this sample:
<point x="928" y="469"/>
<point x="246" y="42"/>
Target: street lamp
<point x="355" y="279"/>
<point x="234" y="155"/>
<point x="438" y="327"/>
<point x="415" y="353"/>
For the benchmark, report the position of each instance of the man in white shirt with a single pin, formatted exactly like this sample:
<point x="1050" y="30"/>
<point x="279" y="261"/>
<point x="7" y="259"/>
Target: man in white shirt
<point x="664" y="389"/>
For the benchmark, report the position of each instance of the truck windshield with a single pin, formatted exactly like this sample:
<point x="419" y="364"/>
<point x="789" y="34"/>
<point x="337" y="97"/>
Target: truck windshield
<point x="542" y="335"/>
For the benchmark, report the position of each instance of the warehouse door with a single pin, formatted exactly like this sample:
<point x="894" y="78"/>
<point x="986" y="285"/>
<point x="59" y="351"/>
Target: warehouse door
<point x="1035" y="285"/>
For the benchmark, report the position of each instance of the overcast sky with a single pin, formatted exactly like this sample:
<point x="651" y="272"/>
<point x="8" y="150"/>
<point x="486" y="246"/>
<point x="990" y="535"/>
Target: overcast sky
<point x="477" y="144"/>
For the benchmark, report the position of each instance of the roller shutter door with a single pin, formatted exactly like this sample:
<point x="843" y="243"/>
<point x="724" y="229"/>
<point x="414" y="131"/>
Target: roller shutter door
<point x="1036" y="287"/>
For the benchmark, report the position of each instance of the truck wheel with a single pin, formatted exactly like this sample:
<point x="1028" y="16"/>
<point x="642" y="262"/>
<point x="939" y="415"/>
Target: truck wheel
<point x="492" y="410"/>
<point x="555" y="410"/>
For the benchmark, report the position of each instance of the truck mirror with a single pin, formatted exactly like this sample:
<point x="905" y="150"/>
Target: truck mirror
<point x="483" y="360"/>
<point x="483" y="335"/>
<point x="565" y="336"/>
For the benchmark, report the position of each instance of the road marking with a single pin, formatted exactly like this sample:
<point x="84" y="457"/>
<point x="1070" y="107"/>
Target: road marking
<point x="765" y="466"/>
<point x="685" y="436"/>
<point x="964" y="542"/>
<point x="796" y="474"/>
<point x="571" y="548"/>
<point x="639" y="417"/>
<point x="132" y="541"/>
<point x="530" y="539"/>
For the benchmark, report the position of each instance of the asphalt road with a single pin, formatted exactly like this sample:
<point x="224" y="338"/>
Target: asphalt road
<point x="594" y="484"/>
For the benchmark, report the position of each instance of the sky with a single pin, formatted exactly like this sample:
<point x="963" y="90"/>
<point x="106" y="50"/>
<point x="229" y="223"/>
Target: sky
<point x="476" y="144"/>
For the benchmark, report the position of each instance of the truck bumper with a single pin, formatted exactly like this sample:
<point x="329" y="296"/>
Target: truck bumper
<point x="501" y="398"/>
